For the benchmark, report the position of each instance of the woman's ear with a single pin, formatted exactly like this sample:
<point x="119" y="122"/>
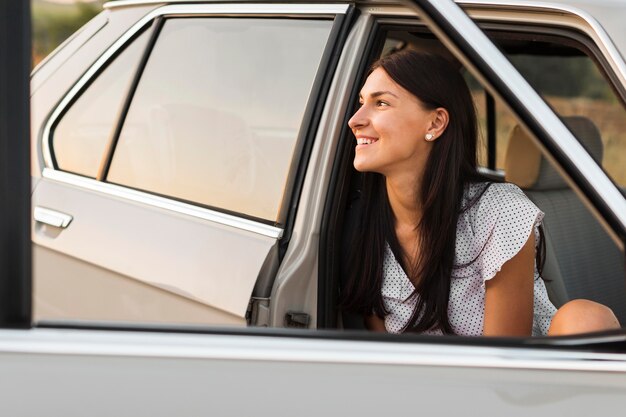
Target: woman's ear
<point x="438" y="123"/>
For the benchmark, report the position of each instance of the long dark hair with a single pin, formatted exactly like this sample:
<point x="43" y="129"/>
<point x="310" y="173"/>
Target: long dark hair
<point x="451" y="166"/>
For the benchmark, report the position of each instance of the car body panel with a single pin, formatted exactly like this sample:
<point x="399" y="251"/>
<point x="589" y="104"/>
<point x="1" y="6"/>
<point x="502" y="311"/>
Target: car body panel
<point x="165" y="370"/>
<point x="163" y="374"/>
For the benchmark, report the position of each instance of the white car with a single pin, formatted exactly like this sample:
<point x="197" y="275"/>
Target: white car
<point x="191" y="182"/>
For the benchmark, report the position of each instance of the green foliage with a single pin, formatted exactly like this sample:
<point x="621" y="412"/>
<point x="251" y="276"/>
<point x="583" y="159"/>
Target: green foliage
<point x="559" y="76"/>
<point x="54" y="22"/>
<point x="575" y="76"/>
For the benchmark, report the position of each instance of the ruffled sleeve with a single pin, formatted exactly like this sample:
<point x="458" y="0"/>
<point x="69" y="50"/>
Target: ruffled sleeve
<point x="503" y="221"/>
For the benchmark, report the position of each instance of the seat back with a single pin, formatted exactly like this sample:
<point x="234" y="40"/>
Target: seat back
<point x="581" y="260"/>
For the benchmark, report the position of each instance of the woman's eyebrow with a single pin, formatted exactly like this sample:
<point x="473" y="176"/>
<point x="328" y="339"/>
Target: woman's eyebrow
<point x="380" y="93"/>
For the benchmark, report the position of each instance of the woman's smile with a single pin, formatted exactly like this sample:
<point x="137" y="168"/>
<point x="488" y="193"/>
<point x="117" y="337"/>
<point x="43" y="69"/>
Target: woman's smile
<point x="363" y="141"/>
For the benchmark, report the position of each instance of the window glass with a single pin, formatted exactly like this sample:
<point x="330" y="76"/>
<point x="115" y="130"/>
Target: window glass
<point x="82" y="134"/>
<point x="218" y="109"/>
<point x="575" y="86"/>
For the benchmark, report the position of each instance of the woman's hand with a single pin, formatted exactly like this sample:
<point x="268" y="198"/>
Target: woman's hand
<point x="509" y="295"/>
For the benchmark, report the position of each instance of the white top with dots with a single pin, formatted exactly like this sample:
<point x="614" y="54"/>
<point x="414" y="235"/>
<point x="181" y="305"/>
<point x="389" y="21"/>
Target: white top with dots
<point x="490" y="232"/>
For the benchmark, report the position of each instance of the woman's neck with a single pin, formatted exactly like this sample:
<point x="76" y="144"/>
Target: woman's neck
<point x="403" y="191"/>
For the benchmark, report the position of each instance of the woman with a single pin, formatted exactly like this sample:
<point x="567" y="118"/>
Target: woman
<point x="440" y="249"/>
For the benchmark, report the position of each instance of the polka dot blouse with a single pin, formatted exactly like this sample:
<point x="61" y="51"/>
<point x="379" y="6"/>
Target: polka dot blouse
<point x="489" y="232"/>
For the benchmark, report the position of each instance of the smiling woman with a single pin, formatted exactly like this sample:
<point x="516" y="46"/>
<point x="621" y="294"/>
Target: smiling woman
<point x="448" y="250"/>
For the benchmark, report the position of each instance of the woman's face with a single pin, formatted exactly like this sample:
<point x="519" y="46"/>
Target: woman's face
<point x="390" y="127"/>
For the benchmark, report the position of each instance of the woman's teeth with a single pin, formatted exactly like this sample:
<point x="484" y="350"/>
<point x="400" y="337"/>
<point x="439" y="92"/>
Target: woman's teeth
<point x="361" y="141"/>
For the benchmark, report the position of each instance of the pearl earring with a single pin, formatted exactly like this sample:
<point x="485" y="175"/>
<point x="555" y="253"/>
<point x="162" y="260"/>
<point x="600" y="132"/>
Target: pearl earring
<point x="429" y="137"/>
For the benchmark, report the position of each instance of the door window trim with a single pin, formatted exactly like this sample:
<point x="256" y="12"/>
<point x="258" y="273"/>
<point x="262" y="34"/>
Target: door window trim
<point x="166" y="203"/>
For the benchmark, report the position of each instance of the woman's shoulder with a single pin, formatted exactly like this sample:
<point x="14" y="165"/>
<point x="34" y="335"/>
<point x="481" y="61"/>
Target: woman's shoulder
<point x="489" y="203"/>
<point x="490" y="195"/>
<point x="492" y="203"/>
<point x="490" y="189"/>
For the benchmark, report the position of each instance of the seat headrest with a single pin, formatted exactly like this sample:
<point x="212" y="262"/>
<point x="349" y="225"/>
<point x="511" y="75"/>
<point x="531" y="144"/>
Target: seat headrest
<point x="526" y="167"/>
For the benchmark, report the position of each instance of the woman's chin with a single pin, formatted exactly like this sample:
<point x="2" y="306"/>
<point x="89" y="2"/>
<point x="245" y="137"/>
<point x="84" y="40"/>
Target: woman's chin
<point x="363" y="165"/>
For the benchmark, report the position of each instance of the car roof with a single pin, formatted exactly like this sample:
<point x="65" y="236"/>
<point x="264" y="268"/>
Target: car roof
<point x="609" y="14"/>
<point x="581" y="4"/>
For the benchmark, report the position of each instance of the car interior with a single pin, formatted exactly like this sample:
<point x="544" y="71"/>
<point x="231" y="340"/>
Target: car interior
<point x="582" y="260"/>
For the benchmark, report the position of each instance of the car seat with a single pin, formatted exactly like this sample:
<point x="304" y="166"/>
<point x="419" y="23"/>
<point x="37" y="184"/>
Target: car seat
<point x="581" y="259"/>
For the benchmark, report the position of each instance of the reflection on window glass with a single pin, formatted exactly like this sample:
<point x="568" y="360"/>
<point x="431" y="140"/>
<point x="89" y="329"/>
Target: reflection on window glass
<point x="81" y="136"/>
<point x="574" y="86"/>
<point x="218" y="109"/>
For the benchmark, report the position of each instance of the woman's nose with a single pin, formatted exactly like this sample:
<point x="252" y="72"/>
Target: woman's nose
<point x="358" y="119"/>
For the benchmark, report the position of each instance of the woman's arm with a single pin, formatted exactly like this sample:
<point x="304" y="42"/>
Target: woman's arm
<point x="509" y="295"/>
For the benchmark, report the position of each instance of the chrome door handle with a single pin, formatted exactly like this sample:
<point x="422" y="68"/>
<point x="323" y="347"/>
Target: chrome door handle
<point x="52" y="218"/>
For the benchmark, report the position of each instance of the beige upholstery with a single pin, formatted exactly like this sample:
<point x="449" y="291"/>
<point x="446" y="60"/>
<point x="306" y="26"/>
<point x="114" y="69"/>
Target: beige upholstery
<point x="525" y="166"/>
<point x="523" y="159"/>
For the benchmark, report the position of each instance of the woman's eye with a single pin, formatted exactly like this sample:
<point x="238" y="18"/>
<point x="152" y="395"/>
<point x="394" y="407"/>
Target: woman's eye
<point x="381" y="103"/>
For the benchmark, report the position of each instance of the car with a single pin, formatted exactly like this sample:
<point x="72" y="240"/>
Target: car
<point x="192" y="178"/>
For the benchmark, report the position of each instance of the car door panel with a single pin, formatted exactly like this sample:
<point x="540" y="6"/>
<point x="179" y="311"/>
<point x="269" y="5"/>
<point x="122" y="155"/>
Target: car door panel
<point x="118" y="297"/>
<point x="202" y="256"/>
<point x="198" y="259"/>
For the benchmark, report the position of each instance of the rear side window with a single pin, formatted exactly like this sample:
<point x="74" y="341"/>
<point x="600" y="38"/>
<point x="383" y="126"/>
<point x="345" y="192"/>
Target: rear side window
<point x="81" y="136"/>
<point x="217" y="111"/>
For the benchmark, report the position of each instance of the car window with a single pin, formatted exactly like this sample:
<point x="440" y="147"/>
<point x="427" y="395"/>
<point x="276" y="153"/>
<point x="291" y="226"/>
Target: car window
<point x="581" y="259"/>
<point x="572" y="80"/>
<point x="217" y="111"/>
<point x="81" y="136"/>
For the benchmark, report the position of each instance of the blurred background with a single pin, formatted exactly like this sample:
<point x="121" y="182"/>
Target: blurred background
<point x="55" y="20"/>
